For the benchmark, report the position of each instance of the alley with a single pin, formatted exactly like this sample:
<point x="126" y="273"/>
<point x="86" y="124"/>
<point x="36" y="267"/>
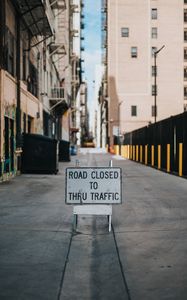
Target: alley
<point x="142" y="258"/>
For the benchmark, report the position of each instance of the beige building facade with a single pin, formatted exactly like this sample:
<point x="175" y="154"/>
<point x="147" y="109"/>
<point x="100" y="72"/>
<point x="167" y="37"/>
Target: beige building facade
<point x="39" y="74"/>
<point x="136" y="30"/>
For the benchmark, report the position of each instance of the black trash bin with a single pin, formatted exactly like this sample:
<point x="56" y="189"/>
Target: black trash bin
<point x="64" y="151"/>
<point x="39" y="154"/>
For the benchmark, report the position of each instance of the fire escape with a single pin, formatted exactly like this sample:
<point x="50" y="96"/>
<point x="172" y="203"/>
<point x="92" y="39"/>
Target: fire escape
<point x="37" y="19"/>
<point x="76" y="26"/>
<point x="57" y="51"/>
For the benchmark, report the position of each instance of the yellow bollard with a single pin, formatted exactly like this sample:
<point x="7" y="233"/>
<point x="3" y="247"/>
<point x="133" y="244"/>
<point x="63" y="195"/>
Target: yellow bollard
<point x="116" y="149"/>
<point x="180" y="158"/>
<point x="152" y="155"/>
<point x="123" y="150"/>
<point x="146" y="154"/>
<point x="168" y="158"/>
<point x="133" y="154"/>
<point x="128" y="151"/>
<point x="159" y="157"/>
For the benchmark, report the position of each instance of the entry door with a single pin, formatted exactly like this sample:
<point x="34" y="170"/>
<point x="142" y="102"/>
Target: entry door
<point x="7" y="145"/>
<point x="11" y="144"/>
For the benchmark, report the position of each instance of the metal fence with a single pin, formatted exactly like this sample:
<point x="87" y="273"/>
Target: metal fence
<point x="162" y="145"/>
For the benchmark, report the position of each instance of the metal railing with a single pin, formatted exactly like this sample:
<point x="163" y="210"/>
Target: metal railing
<point x="57" y="93"/>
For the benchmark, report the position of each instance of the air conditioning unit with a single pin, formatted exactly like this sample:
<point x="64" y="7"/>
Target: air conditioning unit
<point x="74" y="7"/>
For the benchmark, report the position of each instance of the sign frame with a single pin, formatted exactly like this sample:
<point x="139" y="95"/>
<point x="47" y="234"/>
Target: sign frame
<point x="109" y="169"/>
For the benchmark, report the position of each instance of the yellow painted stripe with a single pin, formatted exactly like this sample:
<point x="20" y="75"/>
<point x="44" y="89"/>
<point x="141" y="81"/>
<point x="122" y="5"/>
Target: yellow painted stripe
<point x="146" y="154"/>
<point x="152" y="155"/>
<point x="168" y="158"/>
<point x="137" y="153"/>
<point x="141" y="153"/>
<point x="159" y="157"/>
<point x="180" y="158"/>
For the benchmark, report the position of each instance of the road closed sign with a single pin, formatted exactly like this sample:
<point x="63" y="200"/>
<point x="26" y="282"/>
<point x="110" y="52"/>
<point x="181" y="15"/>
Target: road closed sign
<point x="93" y="185"/>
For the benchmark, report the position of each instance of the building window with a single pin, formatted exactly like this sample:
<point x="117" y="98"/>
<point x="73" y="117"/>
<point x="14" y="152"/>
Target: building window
<point x="154" y="90"/>
<point x="185" y="34"/>
<point x="154" y="111"/>
<point x="185" y="15"/>
<point x="185" y="54"/>
<point x="10" y="52"/>
<point x="154" y="70"/>
<point x="30" y="124"/>
<point x="154" y="33"/>
<point x="125" y="32"/>
<point x="24" y="66"/>
<point x="32" y="80"/>
<point x="154" y="14"/>
<point x="185" y="1"/>
<point x="185" y="92"/>
<point x="153" y="50"/>
<point x="133" y="110"/>
<point x="24" y="122"/>
<point x="134" y="52"/>
<point x="185" y="73"/>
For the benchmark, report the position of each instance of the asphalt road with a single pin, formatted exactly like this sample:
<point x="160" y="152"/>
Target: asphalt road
<point x="144" y="257"/>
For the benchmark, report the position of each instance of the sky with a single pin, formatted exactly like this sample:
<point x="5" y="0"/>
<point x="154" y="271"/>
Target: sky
<point x="92" y="43"/>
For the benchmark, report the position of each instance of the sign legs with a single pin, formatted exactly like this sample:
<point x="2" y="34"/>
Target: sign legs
<point x="104" y="210"/>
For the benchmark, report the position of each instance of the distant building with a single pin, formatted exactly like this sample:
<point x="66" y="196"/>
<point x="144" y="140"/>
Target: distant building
<point x="77" y="65"/>
<point x="133" y="31"/>
<point x="97" y="120"/>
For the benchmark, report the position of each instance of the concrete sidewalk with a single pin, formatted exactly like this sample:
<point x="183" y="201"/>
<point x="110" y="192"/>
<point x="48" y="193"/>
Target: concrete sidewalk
<point x="143" y="258"/>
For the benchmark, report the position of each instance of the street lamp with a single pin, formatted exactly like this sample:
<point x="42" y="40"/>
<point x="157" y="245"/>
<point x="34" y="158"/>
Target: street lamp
<point x="119" y="104"/>
<point x="119" y="131"/>
<point x="155" y="82"/>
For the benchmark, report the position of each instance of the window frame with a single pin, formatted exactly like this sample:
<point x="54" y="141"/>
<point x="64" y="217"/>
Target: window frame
<point x="134" y="54"/>
<point x="185" y="15"/>
<point x="185" y="34"/>
<point x="154" y="13"/>
<point x="133" y="110"/>
<point x="185" y="53"/>
<point x="154" y="32"/>
<point x="10" y="52"/>
<point x="185" y="92"/>
<point x="185" y="73"/>
<point x="32" y="80"/>
<point x="124" y="31"/>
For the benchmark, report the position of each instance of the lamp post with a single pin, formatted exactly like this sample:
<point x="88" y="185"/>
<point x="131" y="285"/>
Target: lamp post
<point x="155" y="81"/>
<point x="119" y="130"/>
